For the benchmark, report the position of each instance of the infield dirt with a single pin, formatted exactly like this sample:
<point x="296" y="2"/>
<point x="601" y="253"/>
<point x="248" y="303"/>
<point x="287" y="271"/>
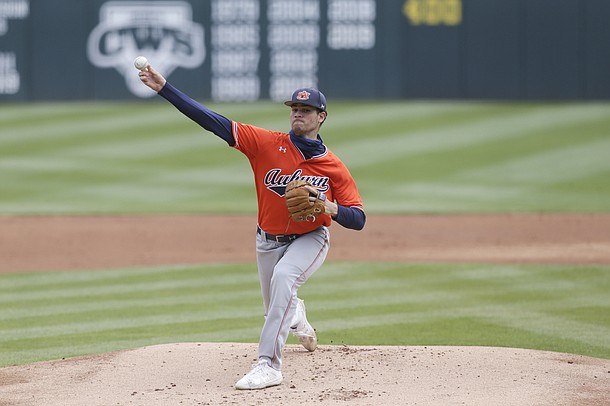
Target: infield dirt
<point x="204" y="373"/>
<point x="98" y="242"/>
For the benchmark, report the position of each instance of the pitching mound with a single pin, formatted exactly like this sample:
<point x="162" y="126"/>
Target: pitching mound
<point x="204" y="374"/>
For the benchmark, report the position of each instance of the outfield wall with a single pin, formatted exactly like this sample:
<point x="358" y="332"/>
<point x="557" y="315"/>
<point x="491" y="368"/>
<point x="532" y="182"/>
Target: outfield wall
<point x="245" y="50"/>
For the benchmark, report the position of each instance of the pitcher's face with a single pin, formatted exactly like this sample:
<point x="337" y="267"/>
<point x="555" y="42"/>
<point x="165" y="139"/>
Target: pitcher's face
<point x="306" y="120"/>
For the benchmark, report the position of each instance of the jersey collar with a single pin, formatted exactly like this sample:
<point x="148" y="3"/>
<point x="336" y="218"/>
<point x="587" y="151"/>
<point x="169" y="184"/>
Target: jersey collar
<point x="309" y="148"/>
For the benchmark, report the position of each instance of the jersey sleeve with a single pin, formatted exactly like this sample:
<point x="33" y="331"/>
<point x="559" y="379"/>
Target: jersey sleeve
<point x="206" y="118"/>
<point x="344" y="187"/>
<point x="249" y="139"/>
<point x="350" y="217"/>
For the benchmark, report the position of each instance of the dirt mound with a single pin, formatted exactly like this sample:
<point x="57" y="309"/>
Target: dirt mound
<point x="204" y="374"/>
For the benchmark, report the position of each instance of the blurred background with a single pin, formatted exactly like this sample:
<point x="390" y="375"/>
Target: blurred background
<point x="244" y="50"/>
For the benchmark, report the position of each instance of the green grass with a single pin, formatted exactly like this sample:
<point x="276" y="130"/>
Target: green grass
<point x="556" y="308"/>
<point x="407" y="157"/>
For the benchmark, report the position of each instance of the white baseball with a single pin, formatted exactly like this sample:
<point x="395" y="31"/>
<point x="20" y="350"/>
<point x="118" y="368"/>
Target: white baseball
<point x="140" y="62"/>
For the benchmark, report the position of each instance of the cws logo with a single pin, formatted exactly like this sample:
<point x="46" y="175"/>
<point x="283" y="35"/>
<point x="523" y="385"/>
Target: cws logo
<point x="164" y="32"/>
<point x="276" y="182"/>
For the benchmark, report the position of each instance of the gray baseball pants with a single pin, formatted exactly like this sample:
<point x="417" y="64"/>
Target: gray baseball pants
<point x="282" y="269"/>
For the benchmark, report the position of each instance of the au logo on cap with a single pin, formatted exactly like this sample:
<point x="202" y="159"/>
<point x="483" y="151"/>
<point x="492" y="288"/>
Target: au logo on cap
<point x="304" y="95"/>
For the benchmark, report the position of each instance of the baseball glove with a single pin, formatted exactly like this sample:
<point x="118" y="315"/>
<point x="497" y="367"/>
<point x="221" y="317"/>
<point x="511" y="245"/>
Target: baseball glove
<point x="300" y="206"/>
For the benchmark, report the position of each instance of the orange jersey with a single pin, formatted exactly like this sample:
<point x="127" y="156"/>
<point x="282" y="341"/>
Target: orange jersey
<point x="275" y="161"/>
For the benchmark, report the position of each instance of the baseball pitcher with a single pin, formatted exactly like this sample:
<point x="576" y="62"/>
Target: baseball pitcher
<point x="301" y="188"/>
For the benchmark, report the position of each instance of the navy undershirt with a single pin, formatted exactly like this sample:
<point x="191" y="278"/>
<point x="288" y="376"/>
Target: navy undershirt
<point x="349" y="217"/>
<point x="309" y="148"/>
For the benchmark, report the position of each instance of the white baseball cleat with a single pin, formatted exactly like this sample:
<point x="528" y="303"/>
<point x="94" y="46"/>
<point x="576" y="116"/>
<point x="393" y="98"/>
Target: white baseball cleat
<point x="302" y="329"/>
<point x="260" y="377"/>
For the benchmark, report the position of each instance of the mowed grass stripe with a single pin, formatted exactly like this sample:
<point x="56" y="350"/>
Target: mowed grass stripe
<point x="517" y="317"/>
<point x="358" y="121"/>
<point x="60" y="130"/>
<point x="38" y="280"/>
<point x="24" y="294"/>
<point x="499" y="174"/>
<point x="141" y="147"/>
<point x="34" y="314"/>
<point x="541" y="307"/>
<point x="59" y="351"/>
<point x="52" y="293"/>
<point x="71" y="310"/>
<point x="128" y="321"/>
<point x="548" y="167"/>
<point x="246" y="328"/>
<point x="36" y="116"/>
<point x="450" y="136"/>
<point x="204" y="306"/>
<point x="405" y="156"/>
<point x="40" y="122"/>
<point x="94" y="135"/>
<point x="147" y="122"/>
<point x="41" y="280"/>
<point x="105" y="152"/>
<point x="386" y="313"/>
<point x="489" y="151"/>
<point x="155" y="300"/>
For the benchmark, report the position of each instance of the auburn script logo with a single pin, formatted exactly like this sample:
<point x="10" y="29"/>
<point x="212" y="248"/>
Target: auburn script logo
<point x="276" y="182"/>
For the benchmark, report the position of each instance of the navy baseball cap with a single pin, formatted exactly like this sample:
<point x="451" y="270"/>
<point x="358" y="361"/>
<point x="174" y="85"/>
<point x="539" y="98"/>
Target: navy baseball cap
<point x="309" y="96"/>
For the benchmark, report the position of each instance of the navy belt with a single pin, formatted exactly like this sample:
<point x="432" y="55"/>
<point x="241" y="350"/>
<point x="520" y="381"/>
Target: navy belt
<point x="282" y="238"/>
